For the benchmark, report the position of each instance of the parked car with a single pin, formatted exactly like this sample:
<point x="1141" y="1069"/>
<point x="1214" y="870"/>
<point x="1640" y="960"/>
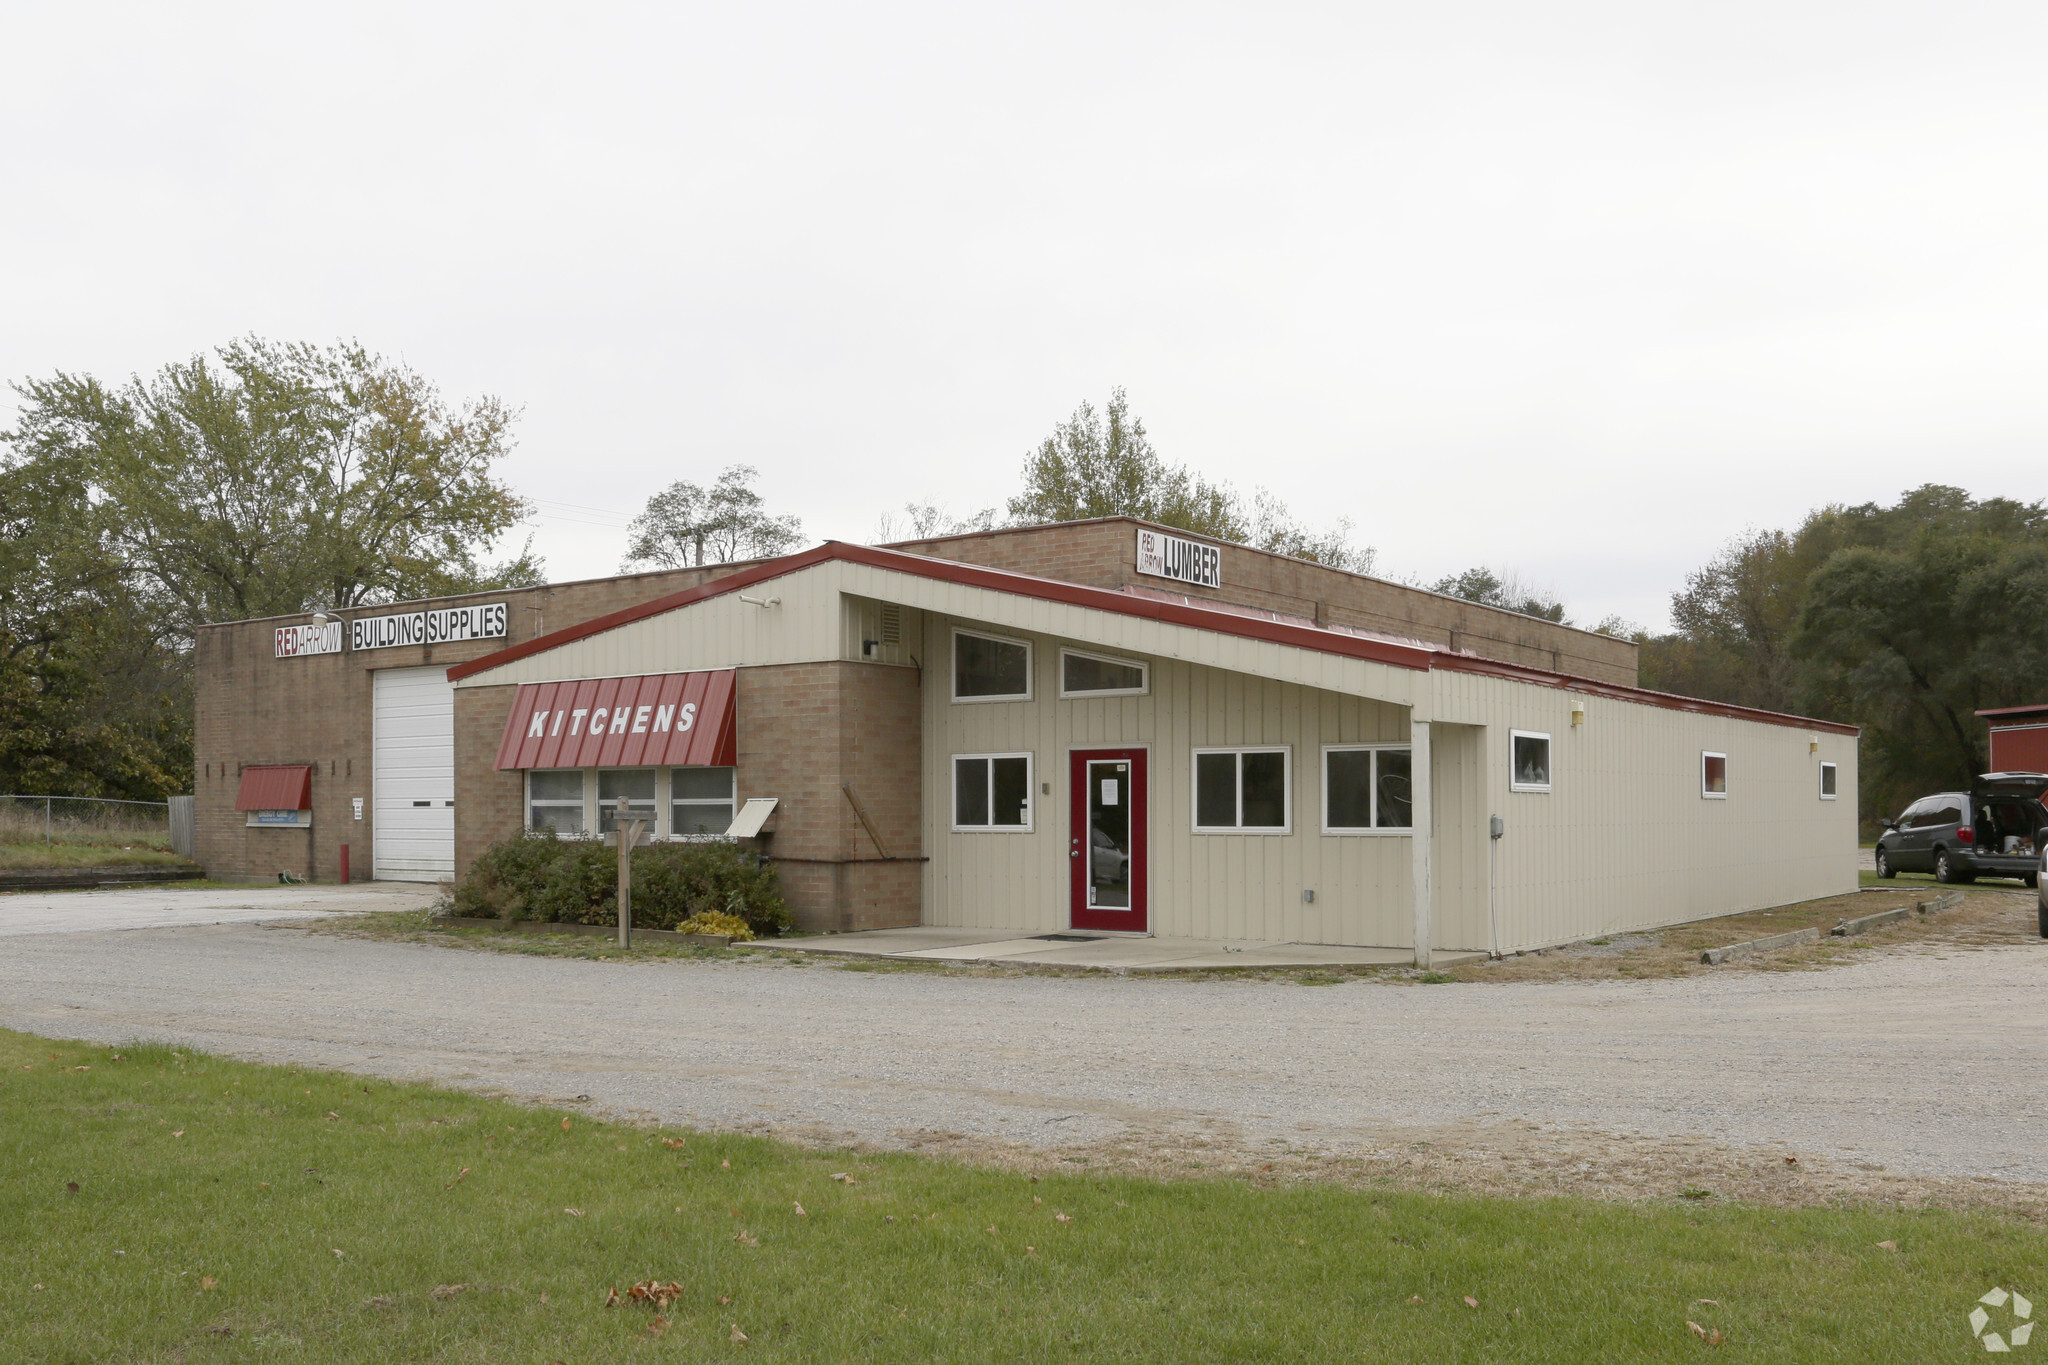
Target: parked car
<point x="1995" y="829"/>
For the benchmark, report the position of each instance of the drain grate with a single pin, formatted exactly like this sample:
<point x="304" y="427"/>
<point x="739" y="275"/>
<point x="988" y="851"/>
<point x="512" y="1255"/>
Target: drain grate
<point x="1068" y="938"/>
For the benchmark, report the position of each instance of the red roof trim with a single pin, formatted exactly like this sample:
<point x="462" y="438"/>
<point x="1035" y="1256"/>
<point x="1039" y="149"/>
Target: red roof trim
<point x="2038" y="709"/>
<point x="280" y="786"/>
<point x="1223" y="622"/>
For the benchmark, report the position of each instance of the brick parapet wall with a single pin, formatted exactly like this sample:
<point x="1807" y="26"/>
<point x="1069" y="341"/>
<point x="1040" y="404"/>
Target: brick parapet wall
<point x="1103" y="554"/>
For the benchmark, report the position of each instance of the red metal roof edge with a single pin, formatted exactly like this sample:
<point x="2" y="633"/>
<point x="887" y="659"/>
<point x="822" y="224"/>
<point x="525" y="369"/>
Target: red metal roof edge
<point x="1420" y="656"/>
<point x="2039" y="708"/>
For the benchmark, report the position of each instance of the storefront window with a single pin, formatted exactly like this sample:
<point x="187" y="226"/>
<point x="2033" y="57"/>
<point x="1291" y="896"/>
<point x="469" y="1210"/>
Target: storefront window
<point x="554" y="800"/>
<point x="636" y="785"/>
<point x="700" y="801"/>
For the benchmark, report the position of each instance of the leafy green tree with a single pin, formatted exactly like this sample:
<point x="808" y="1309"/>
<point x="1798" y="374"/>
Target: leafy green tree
<point x="276" y="478"/>
<point x="1103" y="465"/>
<point x="729" y="520"/>
<point x="1510" y="593"/>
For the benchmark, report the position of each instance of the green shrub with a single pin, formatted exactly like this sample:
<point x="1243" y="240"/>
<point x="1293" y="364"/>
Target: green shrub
<point x="536" y="876"/>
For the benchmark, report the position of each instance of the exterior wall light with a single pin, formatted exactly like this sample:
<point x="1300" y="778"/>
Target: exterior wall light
<point x="1578" y="714"/>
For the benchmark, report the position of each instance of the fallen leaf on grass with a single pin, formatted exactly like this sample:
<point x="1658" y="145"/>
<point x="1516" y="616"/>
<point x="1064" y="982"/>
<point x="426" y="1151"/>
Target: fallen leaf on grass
<point x="446" y="1291"/>
<point x="1712" y="1338"/>
<point x="207" y="1282"/>
<point x="573" y="1213"/>
<point x="338" y="1251"/>
<point x="744" y="1240"/>
<point x="1711" y="1303"/>
<point x="457" y="1180"/>
<point x="800" y="1211"/>
<point x="331" y="1114"/>
<point x="738" y="1338"/>
<point x="672" y="1142"/>
<point x="1415" y="1298"/>
<point x="81" y="1068"/>
<point x="844" y="1178"/>
<point x="725" y="1165"/>
<point x="1030" y="1251"/>
<point x="180" y="1132"/>
<point x="990" y="1229"/>
<point x="611" y="1297"/>
<point x="1791" y="1161"/>
<point x="565" y="1125"/>
<point x="1889" y="1245"/>
<point x="1471" y="1302"/>
<point x="657" y="1327"/>
<point x="622" y="1146"/>
<point x="263" y="1184"/>
<point x="543" y="1298"/>
<point x="654" y="1292"/>
<point x="71" y="1186"/>
<point x="1062" y="1218"/>
<point x="723" y="1300"/>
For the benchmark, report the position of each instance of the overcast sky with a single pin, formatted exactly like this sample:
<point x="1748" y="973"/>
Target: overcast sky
<point x="1578" y="290"/>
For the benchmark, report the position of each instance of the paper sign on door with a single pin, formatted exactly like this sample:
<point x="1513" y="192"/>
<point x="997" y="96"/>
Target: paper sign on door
<point x="1109" y="791"/>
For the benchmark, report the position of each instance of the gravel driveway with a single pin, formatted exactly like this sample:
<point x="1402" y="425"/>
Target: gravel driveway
<point x="1924" y="1063"/>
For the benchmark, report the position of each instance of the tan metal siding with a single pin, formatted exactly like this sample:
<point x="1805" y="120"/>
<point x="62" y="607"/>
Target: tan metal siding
<point x="1228" y="886"/>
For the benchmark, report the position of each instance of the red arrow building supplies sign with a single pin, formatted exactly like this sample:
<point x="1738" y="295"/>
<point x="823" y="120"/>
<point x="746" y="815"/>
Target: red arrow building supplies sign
<point x="656" y="720"/>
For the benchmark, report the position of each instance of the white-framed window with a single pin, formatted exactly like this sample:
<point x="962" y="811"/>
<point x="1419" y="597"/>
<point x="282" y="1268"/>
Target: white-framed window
<point x="1366" y="789"/>
<point x="1244" y="791"/>
<point x="1827" y="781"/>
<point x="636" y="785"/>
<point x="1102" y="675"/>
<point x="700" y="802"/>
<point x="554" y="800"/>
<point x="1529" y="761"/>
<point x="1713" y="775"/>
<point x="990" y="667"/>
<point x="992" y="792"/>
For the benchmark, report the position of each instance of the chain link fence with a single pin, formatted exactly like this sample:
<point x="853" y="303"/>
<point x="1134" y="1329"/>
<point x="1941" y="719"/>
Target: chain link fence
<point x="89" y="820"/>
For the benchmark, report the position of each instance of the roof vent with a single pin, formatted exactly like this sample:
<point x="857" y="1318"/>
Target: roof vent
<point x="892" y="624"/>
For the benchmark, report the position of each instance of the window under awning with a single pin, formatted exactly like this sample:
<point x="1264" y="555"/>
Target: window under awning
<point x="652" y="720"/>
<point x="282" y="786"/>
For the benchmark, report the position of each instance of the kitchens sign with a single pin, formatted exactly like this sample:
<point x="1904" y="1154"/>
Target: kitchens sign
<point x="485" y="622"/>
<point x="1165" y="556"/>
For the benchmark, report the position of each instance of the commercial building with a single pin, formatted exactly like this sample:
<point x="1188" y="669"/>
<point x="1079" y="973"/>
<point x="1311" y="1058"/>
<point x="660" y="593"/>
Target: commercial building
<point x="1098" y="726"/>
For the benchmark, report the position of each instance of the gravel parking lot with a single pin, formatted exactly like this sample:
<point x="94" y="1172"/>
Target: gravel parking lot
<point x="1913" y="1073"/>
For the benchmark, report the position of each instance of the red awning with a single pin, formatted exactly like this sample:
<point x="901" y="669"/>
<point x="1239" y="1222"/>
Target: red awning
<point x="655" y="720"/>
<point x="284" y="786"/>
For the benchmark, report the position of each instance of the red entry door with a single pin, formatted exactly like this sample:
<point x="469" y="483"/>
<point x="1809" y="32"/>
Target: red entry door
<point x="1106" y="839"/>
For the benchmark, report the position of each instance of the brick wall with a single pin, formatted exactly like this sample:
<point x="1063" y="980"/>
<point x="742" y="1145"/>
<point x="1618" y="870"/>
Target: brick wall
<point x="1103" y="554"/>
<point x="251" y="707"/>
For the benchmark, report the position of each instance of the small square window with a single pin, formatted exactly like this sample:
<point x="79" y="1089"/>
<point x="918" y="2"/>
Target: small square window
<point x="636" y="785"/>
<point x="1531" y="759"/>
<point x="1243" y="790"/>
<point x="1096" y="675"/>
<point x="992" y="792"/>
<point x="554" y="800"/>
<point x="1827" y="781"/>
<point x="1714" y="776"/>
<point x="1366" y="788"/>
<point x="990" y="668"/>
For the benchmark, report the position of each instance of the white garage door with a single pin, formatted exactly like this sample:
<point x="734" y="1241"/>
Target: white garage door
<point x="414" y="774"/>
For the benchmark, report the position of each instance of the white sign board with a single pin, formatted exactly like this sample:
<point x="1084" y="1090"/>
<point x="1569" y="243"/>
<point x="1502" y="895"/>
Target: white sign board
<point x="1165" y="556"/>
<point x="484" y="622"/>
<point x="293" y="641"/>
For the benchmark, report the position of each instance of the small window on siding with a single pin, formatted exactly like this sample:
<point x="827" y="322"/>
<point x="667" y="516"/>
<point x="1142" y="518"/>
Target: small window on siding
<point x="700" y="802"/>
<point x="634" y="784"/>
<point x="1714" y="776"/>
<point x="990" y="668"/>
<point x="1366" y="788"/>
<point x="554" y="800"/>
<point x="1827" y="781"/>
<point x="1096" y="675"/>
<point x="1241" y="790"/>
<point x="992" y="791"/>
<point x="1531" y="759"/>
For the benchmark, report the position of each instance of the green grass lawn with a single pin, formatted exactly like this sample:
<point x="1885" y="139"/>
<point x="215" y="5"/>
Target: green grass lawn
<point x="166" y="1206"/>
<point x="37" y="854"/>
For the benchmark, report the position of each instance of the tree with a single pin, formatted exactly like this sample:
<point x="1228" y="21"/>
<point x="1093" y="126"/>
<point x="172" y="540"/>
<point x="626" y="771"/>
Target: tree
<point x="926" y="520"/>
<point x="1103" y="465"/>
<point x="728" y="519"/>
<point x="284" y="478"/>
<point x="1510" y="593"/>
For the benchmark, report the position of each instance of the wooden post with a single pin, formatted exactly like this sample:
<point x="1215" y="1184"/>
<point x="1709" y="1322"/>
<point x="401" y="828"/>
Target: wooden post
<point x="629" y="834"/>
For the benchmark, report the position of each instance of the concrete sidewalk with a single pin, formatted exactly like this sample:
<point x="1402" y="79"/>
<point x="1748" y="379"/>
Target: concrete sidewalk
<point x="1112" y="952"/>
